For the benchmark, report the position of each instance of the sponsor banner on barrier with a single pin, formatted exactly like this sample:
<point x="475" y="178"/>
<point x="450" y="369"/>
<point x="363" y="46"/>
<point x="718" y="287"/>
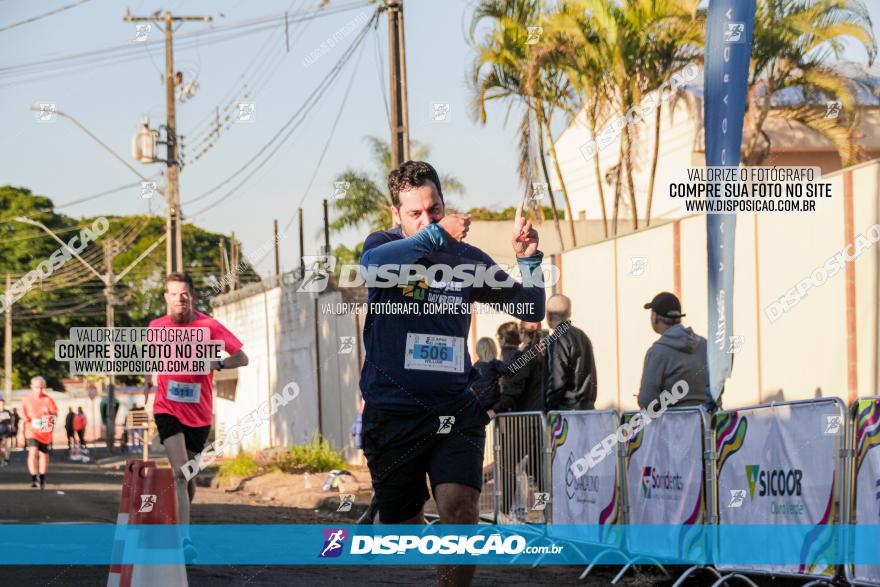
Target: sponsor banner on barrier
<point x="866" y="466"/>
<point x="665" y="485"/>
<point x="593" y="498"/>
<point x="776" y="465"/>
<point x="351" y="544"/>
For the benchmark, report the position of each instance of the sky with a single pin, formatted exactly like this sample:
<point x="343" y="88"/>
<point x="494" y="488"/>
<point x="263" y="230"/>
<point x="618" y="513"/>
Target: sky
<point x="58" y="160"/>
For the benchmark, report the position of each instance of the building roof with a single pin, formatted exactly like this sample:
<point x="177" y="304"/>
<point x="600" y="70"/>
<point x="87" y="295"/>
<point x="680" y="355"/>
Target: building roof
<point x="867" y="89"/>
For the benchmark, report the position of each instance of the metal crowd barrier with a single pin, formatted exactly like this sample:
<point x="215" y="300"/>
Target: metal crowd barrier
<point x="522" y="469"/>
<point x="487" y="507"/>
<point x="732" y="449"/>
<point x="593" y="498"/>
<point x="654" y="493"/>
<point x="788" y="436"/>
<point x="863" y="434"/>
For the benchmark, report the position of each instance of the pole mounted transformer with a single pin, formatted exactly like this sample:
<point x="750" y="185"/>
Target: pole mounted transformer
<point x="144" y="142"/>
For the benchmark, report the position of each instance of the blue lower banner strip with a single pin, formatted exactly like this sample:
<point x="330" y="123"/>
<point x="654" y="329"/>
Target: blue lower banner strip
<point x="245" y="544"/>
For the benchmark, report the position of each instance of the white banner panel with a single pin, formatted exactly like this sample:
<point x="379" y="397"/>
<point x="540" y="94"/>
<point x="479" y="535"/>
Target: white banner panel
<point x="665" y="485"/>
<point x="866" y="465"/>
<point x="777" y="465"/>
<point x="593" y="498"/>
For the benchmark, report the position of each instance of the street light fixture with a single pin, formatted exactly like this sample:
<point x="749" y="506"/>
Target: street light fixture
<point x="109" y="280"/>
<point x="97" y="140"/>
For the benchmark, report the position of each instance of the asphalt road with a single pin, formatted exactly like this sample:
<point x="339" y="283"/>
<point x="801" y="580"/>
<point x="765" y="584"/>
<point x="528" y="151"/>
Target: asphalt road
<point x="87" y="493"/>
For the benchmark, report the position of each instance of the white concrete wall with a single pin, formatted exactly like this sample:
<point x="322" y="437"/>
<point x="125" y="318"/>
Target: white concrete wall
<point x="678" y="129"/>
<point x="91" y="407"/>
<point x="340" y="376"/>
<point x="681" y="146"/>
<point x="803" y="350"/>
<point x="278" y="328"/>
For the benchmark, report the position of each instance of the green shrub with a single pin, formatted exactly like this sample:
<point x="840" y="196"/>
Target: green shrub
<point x="316" y="456"/>
<point x="242" y="465"/>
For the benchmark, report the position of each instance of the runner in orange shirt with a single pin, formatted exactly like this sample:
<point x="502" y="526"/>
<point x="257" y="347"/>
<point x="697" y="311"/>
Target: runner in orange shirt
<point x="38" y="414"/>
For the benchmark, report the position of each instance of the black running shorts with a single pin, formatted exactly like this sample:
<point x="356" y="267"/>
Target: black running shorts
<point x="41" y="446"/>
<point x="194" y="437"/>
<point x="402" y="447"/>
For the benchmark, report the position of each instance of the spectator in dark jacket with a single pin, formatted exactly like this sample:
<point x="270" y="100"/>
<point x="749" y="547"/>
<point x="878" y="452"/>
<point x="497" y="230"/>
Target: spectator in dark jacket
<point x="16" y="418"/>
<point x="489" y="370"/>
<point x="508" y="340"/>
<point x="570" y="373"/>
<point x="678" y="355"/>
<point x="68" y="428"/>
<point x="521" y="389"/>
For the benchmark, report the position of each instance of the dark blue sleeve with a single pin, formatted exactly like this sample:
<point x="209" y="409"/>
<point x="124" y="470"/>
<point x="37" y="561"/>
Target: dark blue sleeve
<point x="531" y="294"/>
<point x="380" y="250"/>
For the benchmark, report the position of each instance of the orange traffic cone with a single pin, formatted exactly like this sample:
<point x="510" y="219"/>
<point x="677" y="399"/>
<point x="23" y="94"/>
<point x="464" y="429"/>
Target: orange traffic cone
<point x="116" y="569"/>
<point x="148" y="497"/>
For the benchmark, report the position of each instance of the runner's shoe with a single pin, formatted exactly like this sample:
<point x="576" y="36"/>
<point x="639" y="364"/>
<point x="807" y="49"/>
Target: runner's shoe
<point x="370" y="514"/>
<point x="34" y="484"/>
<point x="190" y="554"/>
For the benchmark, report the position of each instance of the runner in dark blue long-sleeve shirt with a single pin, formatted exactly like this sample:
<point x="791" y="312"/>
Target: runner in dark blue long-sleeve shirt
<point x="419" y="416"/>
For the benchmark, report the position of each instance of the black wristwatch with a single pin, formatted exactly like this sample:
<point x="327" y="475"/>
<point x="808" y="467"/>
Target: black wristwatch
<point x="221" y="364"/>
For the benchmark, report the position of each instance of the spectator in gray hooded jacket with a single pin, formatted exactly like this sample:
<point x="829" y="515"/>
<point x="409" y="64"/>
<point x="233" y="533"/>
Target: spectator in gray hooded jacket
<point x="679" y="354"/>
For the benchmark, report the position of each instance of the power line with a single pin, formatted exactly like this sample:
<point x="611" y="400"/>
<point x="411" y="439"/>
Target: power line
<point x="326" y="145"/>
<point x="38" y="212"/>
<point x="309" y="103"/>
<point x="44" y="15"/>
<point x="380" y="68"/>
<point x="55" y="66"/>
<point x="207" y="136"/>
<point x="205" y="121"/>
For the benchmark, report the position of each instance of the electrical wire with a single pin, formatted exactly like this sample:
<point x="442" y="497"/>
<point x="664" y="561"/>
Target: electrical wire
<point x="290" y="126"/>
<point x="206" y="138"/>
<point x="354" y="72"/>
<point x="38" y="212"/>
<point x="54" y="66"/>
<point x="43" y="15"/>
<point x="380" y="68"/>
<point x="205" y="122"/>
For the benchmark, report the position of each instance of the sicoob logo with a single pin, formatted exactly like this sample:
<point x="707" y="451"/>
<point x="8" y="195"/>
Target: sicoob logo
<point x="333" y="542"/>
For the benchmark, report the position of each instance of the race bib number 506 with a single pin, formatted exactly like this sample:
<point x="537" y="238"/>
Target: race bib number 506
<point x="434" y="352"/>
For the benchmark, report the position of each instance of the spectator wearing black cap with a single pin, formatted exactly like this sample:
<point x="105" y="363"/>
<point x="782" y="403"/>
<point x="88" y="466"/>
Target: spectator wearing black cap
<point x="679" y="354"/>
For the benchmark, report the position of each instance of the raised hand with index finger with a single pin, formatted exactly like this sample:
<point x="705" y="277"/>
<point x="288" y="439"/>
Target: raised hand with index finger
<point x="525" y="237"/>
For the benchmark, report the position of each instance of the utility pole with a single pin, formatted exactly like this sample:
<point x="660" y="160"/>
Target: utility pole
<point x="302" y="248"/>
<point x="277" y="252"/>
<point x="397" y="70"/>
<point x="109" y="291"/>
<point x="224" y="266"/>
<point x="326" y="230"/>
<point x="7" y="345"/>
<point x="235" y="262"/>
<point x="173" y="222"/>
<point x="109" y="279"/>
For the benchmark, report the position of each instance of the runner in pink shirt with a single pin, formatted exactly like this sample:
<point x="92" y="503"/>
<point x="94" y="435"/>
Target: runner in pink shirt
<point x="184" y="402"/>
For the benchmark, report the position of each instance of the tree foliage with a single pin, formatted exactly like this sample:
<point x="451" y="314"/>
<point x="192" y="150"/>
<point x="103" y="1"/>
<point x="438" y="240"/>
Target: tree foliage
<point x="72" y="296"/>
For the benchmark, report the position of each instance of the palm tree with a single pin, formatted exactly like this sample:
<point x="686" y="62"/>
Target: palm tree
<point x="793" y="42"/>
<point x="572" y="45"/>
<point x="547" y="87"/>
<point x="498" y="73"/>
<point x="611" y="27"/>
<point x="366" y="200"/>
<point x="672" y="33"/>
